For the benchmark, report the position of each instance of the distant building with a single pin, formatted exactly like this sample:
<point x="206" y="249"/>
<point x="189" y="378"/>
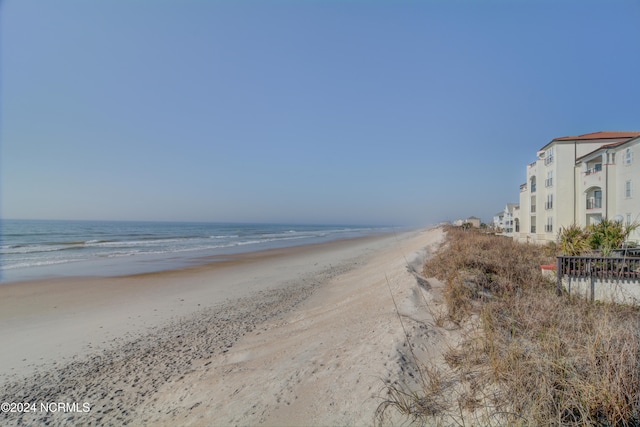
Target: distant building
<point x="474" y="221"/>
<point x="504" y="221"/>
<point x="580" y="179"/>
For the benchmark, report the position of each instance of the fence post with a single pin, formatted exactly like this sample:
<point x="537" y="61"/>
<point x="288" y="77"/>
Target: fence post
<point x="559" y="277"/>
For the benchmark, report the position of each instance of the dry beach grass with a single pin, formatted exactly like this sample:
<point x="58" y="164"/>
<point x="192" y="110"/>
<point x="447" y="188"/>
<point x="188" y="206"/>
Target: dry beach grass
<point x="526" y="356"/>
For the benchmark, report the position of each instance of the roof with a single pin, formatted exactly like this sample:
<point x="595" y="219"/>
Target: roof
<point x="605" y="146"/>
<point x="512" y="206"/>
<point x="599" y="135"/>
<point x="617" y="144"/>
<point x="594" y="137"/>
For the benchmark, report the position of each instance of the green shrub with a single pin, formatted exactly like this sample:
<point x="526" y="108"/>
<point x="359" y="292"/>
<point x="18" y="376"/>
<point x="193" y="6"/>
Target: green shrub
<point x="608" y="235"/>
<point x="573" y="240"/>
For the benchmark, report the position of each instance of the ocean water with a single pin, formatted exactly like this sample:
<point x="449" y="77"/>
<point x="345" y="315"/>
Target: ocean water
<point x="34" y="249"/>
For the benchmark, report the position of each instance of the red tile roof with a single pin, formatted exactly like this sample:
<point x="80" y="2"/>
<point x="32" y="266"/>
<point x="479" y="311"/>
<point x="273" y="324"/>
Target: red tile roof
<point x="615" y="144"/>
<point x="611" y="145"/>
<point x="599" y="135"/>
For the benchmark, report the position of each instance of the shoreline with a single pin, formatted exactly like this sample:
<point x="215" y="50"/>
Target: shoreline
<point x="116" y="342"/>
<point x="155" y="263"/>
<point x="151" y="297"/>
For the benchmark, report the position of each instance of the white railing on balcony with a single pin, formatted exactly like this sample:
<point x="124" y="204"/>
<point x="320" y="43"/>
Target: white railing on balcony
<point x="597" y="168"/>
<point x="594" y="203"/>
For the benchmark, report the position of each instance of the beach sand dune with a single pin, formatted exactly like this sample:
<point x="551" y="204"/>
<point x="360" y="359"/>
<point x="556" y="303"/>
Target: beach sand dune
<point x="303" y="336"/>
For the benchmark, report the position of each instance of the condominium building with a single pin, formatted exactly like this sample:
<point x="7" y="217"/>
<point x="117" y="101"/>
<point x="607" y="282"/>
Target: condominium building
<point x="580" y="179"/>
<point x="504" y="221"/>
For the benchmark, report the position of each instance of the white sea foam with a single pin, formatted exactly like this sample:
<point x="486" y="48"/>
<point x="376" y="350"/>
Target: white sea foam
<point x="39" y="263"/>
<point x="31" y="244"/>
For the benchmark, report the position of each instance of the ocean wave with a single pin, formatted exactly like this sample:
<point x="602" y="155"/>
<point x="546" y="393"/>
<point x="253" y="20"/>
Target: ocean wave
<point x="75" y="241"/>
<point x="39" y="263"/>
<point x="32" y="249"/>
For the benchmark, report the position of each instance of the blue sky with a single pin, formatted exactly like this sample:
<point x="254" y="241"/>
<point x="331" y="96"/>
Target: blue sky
<point x="385" y="112"/>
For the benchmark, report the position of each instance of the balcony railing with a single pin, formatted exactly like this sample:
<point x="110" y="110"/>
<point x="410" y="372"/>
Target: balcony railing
<point x="593" y="203"/>
<point x="597" y="168"/>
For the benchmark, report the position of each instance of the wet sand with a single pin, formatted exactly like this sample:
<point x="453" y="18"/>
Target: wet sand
<point x="298" y="336"/>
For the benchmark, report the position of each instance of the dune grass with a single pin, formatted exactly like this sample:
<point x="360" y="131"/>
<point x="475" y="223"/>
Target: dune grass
<point x="528" y="357"/>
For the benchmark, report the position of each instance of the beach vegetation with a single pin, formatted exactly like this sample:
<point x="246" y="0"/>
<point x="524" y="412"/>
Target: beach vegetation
<point x="604" y="237"/>
<point x="608" y="235"/>
<point x="526" y="356"/>
<point x="573" y="240"/>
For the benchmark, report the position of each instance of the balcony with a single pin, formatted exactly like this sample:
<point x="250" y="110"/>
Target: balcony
<point x="593" y="176"/>
<point x="595" y="169"/>
<point x="594" y="203"/>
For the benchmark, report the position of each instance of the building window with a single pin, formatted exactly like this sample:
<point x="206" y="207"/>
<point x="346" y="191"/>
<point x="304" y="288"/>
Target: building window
<point x="628" y="156"/>
<point x="533" y="184"/>
<point x="549" y="181"/>
<point x="627" y="189"/>
<point x="548" y="156"/>
<point x="549" y="203"/>
<point x="533" y="204"/>
<point x="549" y="227"/>
<point x="594" y="201"/>
<point x="628" y="219"/>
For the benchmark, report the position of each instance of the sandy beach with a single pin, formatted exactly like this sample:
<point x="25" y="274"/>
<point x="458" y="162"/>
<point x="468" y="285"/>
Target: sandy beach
<point x="298" y="336"/>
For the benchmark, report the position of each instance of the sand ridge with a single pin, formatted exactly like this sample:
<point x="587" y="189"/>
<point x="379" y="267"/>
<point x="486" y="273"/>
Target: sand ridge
<point x="315" y="350"/>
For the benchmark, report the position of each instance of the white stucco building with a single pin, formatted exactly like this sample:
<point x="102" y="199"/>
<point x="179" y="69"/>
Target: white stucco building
<point x="580" y="179"/>
<point x="504" y="220"/>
